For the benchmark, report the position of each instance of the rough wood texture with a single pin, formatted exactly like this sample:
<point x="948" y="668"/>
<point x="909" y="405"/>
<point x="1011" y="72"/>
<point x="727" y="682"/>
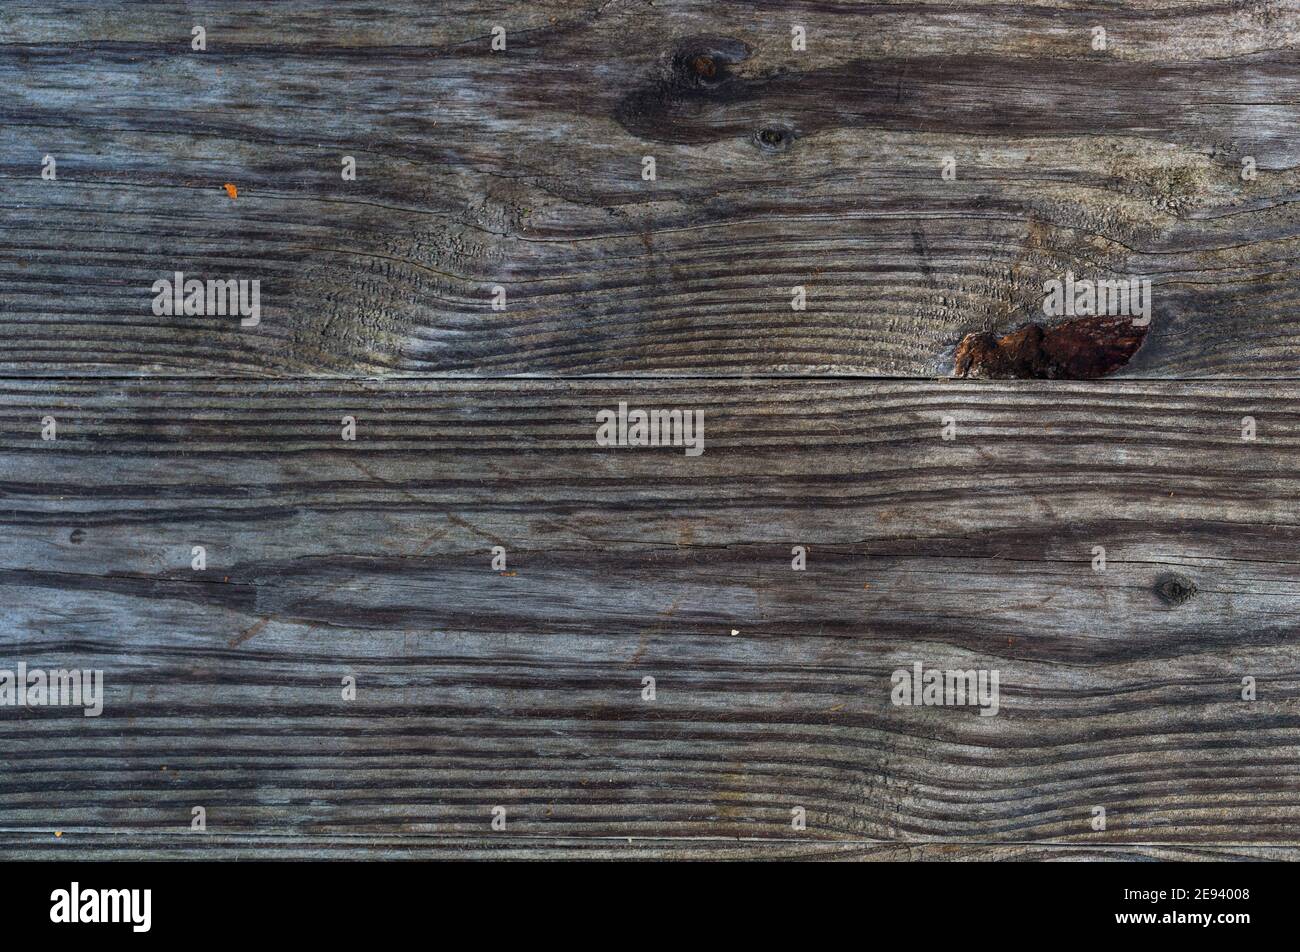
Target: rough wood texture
<point x="522" y="169"/>
<point x="775" y="168"/>
<point x="76" y="846"/>
<point x="478" y="689"/>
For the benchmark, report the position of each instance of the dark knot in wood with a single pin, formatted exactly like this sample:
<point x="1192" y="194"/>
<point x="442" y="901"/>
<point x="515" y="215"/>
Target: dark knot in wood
<point x="1082" y="349"/>
<point x="1175" y="589"/>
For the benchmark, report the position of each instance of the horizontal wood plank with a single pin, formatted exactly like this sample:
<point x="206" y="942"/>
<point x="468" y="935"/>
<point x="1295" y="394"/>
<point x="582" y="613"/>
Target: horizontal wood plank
<point x="522" y="169"/>
<point x="522" y="688"/>
<point x="128" y="846"/>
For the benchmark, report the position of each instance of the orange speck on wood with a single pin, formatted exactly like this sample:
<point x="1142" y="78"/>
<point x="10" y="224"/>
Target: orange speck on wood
<point x="231" y="190"/>
<point x="58" y="833"/>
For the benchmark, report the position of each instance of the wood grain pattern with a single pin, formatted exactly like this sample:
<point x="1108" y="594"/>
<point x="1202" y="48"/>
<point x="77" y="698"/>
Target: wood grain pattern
<point x="775" y="168"/>
<point x="521" y="169"/>
<point x="478" y="688"/>
<point x="75" y="846"/>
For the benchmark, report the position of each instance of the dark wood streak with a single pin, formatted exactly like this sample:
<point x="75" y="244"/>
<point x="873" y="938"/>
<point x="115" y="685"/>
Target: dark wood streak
<point x="973" y="95"/>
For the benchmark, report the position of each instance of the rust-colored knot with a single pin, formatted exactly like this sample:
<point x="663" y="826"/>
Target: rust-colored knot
<point x="1081" y="349"/>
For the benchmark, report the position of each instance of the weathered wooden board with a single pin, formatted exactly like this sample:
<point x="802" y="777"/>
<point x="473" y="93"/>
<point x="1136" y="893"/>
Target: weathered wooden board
<point x="522" y="169"/>
<point x="73" y="845"/>
<point x="523" y="688"/>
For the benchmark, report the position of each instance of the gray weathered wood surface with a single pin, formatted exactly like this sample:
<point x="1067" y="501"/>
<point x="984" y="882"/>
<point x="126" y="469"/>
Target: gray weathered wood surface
<point x="477" y="688"/>
<point x="522" y="689"/>
<point x="222" y="846"/>
<point x="522" y="169"/>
